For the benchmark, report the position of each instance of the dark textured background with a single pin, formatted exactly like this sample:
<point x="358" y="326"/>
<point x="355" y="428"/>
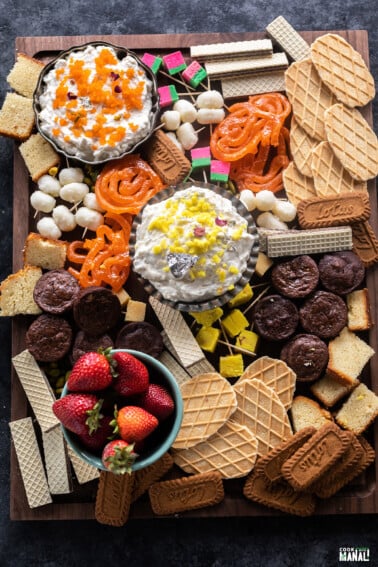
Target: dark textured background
<point x="190" y="543"/>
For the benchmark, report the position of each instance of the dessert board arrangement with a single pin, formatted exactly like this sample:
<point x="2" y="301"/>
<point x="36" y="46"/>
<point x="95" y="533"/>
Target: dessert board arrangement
<point x="247" y="379"/>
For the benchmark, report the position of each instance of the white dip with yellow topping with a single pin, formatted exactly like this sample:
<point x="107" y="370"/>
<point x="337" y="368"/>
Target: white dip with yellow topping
<point x="193" y="246"/>
<point x="94" y="105"/>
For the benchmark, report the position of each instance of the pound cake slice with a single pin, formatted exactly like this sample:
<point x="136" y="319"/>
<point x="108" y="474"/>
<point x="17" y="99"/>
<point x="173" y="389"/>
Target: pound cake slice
<point x="348" y="355"/>
<point x="359" y="410"/>
<point x="17" y="117"/>
<point x="16" y="293"/>
<point x="23" y="76"/>
<point x="306" y="412"/>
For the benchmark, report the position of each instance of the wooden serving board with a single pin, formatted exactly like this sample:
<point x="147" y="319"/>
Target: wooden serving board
<point x="360" y="498"/>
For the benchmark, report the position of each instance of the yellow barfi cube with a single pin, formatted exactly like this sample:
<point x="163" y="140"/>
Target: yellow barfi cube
<point x="263" y="264"/>
<point x="234" y="323"/>
<point x="207" y="338"/>
<point x="231" y="366"/>
<point x="247" y="340"/>
<point x="242" y="297"/>
<point x="135" y="311"/>
<point x="207" y="318"/>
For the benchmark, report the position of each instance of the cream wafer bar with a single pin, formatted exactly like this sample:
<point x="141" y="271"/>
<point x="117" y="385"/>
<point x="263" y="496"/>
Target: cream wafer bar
<point x="30" y="462"/>
<point x="253" y="84"/>
<point x="84" y="472"/>
<point x="37" y="389"/>
<point x="201" y="367"/>
<point x="179" y="373"/>
<point x="232" y="49"/>
<point x="184" y="344"/>
<point x="316" y="241"/>
<point x="56" y="461"/>
<point x="240" y="67"/>
<point x="288" y="39"/>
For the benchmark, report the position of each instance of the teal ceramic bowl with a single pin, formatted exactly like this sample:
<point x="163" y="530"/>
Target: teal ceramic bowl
<point x="162" y="439"/>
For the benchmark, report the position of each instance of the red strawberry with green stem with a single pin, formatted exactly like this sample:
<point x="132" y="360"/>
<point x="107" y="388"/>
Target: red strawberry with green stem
<point x="131" y="375"/>
<point x="133" y="423"/>
<point x="97" y="440"/>
<point x="158" y="401"/>
<point x="79" y="413"/>
<point x="92" y="372"/>
<point x="118" y="456"/>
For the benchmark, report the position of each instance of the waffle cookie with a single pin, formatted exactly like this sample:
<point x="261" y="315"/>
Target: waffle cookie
<point x="309" y="97"/>
<point x="209" y="400"/>
<point x="330" y="177"/>
<point x="343" y="70"/>
<point x="298" y="187"/>
<point x="187" y="493"/>
<point x="301" y="146"/>
<point x="274" y="373"/>
<point x="231" y="451"/>
<point x="353" y="141"/>
<point x="261" y="410"/>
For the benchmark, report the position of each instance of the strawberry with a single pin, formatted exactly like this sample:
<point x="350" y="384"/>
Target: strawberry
<point x="78" y="413"/>
<point x="96" y="440"/>
<point x="158" y="401"/>
<point x="118" y="456"/>
<point x="134" y="424"/>
<point x="90" y="373"/>
<point x="131" y="375"/>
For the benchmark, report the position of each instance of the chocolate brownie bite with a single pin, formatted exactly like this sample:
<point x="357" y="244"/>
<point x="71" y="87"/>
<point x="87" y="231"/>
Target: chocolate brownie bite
<point x="324" y="314"/>
<point x="56" y="291"/>
<point x="96" y="310"/>
<point x="49" y="338"/>
<point x="142" y="336"/>
<point x="297" y="277"/>
<point x="341" y="272"/>
<point x="275" y="317"/>
<point x="307" y="356"/>
<point x="88" y="343"/>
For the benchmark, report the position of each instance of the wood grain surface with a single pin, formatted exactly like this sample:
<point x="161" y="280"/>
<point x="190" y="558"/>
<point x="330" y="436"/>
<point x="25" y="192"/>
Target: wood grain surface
<point x="361" y="498"/>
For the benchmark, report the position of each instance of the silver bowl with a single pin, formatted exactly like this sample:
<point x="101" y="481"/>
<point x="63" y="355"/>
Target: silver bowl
<point x="216" y="301"/>
<point x="121" y="53"/>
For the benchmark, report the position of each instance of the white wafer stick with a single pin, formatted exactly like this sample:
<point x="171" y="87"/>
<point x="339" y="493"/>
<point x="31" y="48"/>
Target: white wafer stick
<point x="56" y="462"/>
<point x="84" y="471"/>
<point x="30" y="462"/>
<point x="37" y="389"/>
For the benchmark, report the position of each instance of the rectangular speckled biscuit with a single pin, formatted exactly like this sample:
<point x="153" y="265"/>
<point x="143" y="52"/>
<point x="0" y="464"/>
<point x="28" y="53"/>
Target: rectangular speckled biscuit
<point x="343" y="209"/>
<point x="240" y="67"/>
<point x="30" y="462"/>
<point x="113" y="498"/>
<point x="255" y="84"/>
<point x="288" y="39"/>
<point x="365" y="243"/>
<point x="315" y="241"/>
<point x="166" y="159"/>
<point x="186" y="493"/>
<point x="315" y="457"/>
<point x="342" y="471"/>
<point x="272" y="462"/>
<point x="147" y="476"/>
<point x="233" y="49"/>
<point x="37" y="389"/>
<point x="278" y="495"/>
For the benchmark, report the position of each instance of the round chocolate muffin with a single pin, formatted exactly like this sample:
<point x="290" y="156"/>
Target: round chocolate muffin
<point x="87" y="343"/>
<point x="96" y="310"/>
<point x="297" y="277"/>
<point x="341" y="272"/>
<point x="275" y="317"/>
<point x="324" y="314"/>
<point x="307" y="356"/>
<point x="49" y="338"/>
<point x="141" y="336"/>
<point x="56" y="291"/>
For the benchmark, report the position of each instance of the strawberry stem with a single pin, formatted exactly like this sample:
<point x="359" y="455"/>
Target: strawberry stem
<point x="94" y="417"/>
